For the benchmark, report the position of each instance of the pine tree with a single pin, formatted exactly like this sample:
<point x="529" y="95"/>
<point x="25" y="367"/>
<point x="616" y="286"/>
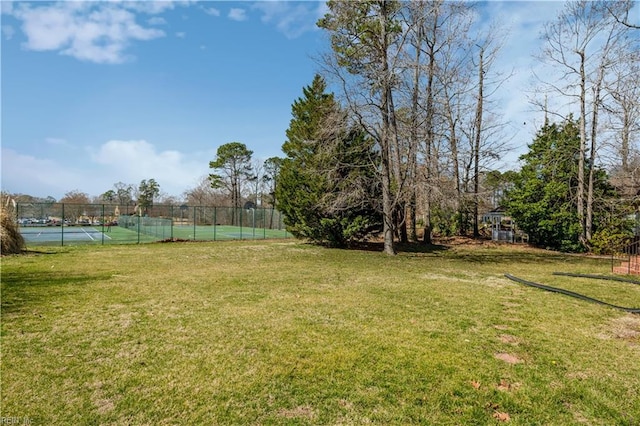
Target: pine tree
<point x="543" y="200"/>
<point x="308" y="113"/>
<point x="233" y="161"/>
<point x="326" y="183"/>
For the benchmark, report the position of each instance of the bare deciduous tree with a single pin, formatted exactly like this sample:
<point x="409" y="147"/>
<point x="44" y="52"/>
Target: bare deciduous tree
<point x="581" y="44"/>
<point x="202" y="194"/>
<point x="366" y="39"/>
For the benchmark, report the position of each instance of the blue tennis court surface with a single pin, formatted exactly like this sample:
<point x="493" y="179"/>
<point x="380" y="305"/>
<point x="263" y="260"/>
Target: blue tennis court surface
<point x="54" y="234"/>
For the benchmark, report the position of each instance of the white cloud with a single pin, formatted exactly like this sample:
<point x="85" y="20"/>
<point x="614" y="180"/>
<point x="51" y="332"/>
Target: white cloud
<point x="134" y="160"/>
<point x="237" y="14"/>
<point x="98" y="32"/>
<point x="291" y="18"/>
<point x="211" y="11"/>
<point x="26" y="174"/>
<point x="154" y="7"/>
<point x="181" y="34"/>
<point x="96" y="170"/>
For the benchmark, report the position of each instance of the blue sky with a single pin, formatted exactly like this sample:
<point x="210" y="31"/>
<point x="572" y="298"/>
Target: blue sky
<point x="95" y="93"/>
<point x="129" y="93"/>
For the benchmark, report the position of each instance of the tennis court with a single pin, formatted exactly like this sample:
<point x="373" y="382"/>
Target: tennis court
<point x="75" y="224"/>
<point x="226" y="232"/>
<point x="70" y="235"/>
<point x="56" y="234"/>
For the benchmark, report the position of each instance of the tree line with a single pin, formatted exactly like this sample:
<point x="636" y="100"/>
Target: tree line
<point x="417" y="121"/>
<point x="406" y="145"/>
<point x="418" y="78"/>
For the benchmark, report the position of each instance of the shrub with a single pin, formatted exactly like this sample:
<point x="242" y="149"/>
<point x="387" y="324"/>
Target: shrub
<point x="607" y="241"/>
<point x="10" y="238"/>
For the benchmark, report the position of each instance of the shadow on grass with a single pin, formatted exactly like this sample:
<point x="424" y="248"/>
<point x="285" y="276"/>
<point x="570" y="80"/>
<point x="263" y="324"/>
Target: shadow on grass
<point x="474" y="252"/>
<point x="513" y="257"/>
<point x="31" y="251"/>
<point x="32" y="288"/>
<point x="400" y="247"/>
<point x="477" y="252"/>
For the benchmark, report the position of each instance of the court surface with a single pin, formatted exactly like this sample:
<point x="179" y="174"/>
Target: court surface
<point x="47" y="234"/>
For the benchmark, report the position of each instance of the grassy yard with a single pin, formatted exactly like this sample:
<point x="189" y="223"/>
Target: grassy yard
<point x="286" y="333"/>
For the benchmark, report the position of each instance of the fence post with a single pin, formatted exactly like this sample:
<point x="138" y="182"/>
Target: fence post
<point x="102" y="222"/>
<point x="62" y="227"/>
<point x="194" y="222"/>
<point x="215" y="222"/>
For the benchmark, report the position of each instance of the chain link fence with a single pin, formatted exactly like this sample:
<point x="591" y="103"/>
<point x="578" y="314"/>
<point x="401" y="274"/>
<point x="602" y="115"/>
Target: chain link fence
<point x="70" y="224"/>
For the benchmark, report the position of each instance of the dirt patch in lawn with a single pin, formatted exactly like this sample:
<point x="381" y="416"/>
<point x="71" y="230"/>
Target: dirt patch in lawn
<point x="508" y="339"/>
<point x="508" y="358"/>
<point x="300" y="412"/>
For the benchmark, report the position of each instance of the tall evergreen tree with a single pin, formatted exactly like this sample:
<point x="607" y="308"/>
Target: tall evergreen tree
<point x="308" y="113"/>
<point x="326" y="181"/>
<point x="543" y="201"/>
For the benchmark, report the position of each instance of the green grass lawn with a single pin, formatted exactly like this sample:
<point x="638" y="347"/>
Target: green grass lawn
<point x="286" y="333"/>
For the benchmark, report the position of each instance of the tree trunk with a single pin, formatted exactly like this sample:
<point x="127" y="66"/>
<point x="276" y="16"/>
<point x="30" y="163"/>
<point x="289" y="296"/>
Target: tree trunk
<point x="387" y="201"/>
<point x="233" y="201"/>
<point x="597" y="91"/>
<point x="399" y="177"/>
<point x="385" y="143"/>
<point x="413" y="160"/>
<point x="582" y="149"/>
<point x="453" y="142"/>
<point x="429" y="106"/>
<point x="624" y="138"/>
<point x="411" y="217"/>
<point x="476" y="147"/>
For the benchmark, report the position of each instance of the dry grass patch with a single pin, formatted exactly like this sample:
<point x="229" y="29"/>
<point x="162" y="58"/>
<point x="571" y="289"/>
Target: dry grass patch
<point x="626" y="328"/>
<point x="506" y="386"/>
<point x="301" y="412"/>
